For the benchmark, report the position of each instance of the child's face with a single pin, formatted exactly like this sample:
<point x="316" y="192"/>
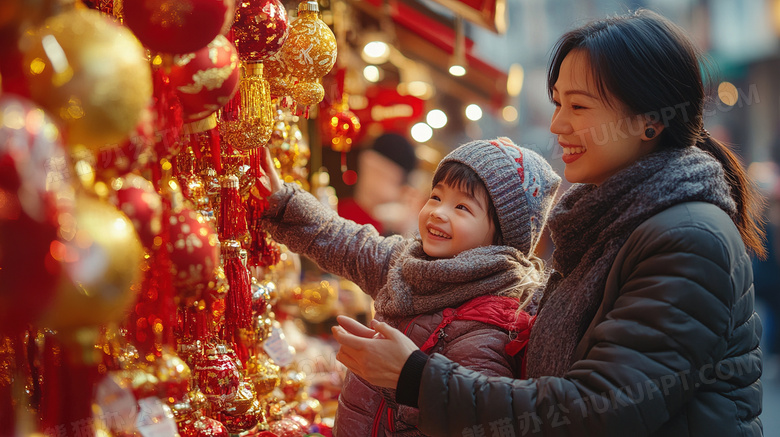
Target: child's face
<point x="598" y="140"/>
<point x="452" y="221"/>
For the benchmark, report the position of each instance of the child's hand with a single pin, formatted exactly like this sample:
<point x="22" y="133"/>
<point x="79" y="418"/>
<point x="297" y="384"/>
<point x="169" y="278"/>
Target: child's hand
<point x="267" y="163"/>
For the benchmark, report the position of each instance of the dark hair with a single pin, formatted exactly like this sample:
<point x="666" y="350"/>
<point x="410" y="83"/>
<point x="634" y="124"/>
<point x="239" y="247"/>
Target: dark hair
<point x="648" y="64"/>
<point x="461" y="176"/>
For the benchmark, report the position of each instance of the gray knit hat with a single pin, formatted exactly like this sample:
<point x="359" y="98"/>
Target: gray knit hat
<point x="521" y="184"/>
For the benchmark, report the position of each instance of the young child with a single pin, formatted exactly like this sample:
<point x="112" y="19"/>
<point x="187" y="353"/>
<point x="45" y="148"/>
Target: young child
<point x="457" y="288"/>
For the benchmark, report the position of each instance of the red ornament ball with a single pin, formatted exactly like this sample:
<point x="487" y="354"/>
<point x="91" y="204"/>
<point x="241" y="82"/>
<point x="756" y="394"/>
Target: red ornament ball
<point x="207" y="79"/>
<point x="177" y="26"/>
<point x="218" y="377"/>
<point x="136" y="197"/>
<point x="340" y="127"/>
<point x="288" y="427"/>
<point x="194" y="250"/>
<point x="260" y="28"/>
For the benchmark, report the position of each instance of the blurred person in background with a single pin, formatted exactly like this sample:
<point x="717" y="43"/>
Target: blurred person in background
<point x="378" y="198"/>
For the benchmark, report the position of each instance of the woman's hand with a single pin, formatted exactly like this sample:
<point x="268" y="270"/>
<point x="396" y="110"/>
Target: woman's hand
<point x="376" y="355"/>
<point x="267" y="163"/>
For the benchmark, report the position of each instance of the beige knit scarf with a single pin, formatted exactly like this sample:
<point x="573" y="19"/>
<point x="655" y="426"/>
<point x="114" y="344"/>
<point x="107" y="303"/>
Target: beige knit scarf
<point x="589" y="226"/>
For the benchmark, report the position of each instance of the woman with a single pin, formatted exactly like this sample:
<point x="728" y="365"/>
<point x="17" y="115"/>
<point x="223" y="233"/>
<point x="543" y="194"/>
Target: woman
<point x="647" y="325"/>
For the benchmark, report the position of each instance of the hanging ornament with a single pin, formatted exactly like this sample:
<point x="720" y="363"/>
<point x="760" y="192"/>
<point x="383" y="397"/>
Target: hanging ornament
<point x="207" y="79"/>
<point x="136" y="197"/>
<point x="174" y="376"/>
<point x="247" y="120"/>
<point x="263" y="374"/>
<point x="278" y="76"/>
<point x="239" y="415"/>
<point x="168" y="119"/>
<point x="260" y="28"/>
<point x="309" y="409"/>
<point x="102" y="257"/>
<point x="288" y="427"/>
<point x="133" y="153"/>
<point x="97" y="80"/>
<point x="217" y="376"/>
<point x="177" y="26"/>
<point x="193" y="251"/>
<point x="191" y="423"/>
<point x="309" y="52"/>
<point x="340" y="126"/>
<point x="34" y="171"/>
<point x="293" y="383"/>
<point x="238" y="300"/>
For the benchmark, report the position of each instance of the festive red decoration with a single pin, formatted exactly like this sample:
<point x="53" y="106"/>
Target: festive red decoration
<point x="238" y="311"/>
<point x="202" y="427"/>
<point x="133" y="153"/>
<point x="173" y="375"/>
<point x="137" y="198"/>
<point x="260" y="28"/>
<point x="288" y="427"/>
<point x="177" y="26"/>
<point x="340" y="126"/>
<point x="193" y="250"/>
<point x="206" y="79"/>
<point x="168" y="116"/>
<point x="31" y="155"/>
<point x="217" y="376"/>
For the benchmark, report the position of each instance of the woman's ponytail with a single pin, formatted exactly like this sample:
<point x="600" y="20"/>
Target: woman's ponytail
<point x="749" y="202"/>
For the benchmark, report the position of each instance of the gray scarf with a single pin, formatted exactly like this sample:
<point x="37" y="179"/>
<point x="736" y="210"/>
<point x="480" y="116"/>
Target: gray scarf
<point x="589" y="226"/>
<point x="418" y="284"/>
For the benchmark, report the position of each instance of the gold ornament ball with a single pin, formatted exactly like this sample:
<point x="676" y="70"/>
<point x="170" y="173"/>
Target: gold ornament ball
<point x="317" y="301"/>
<point x="101" y="257"/>
<point x="90" y="72"/>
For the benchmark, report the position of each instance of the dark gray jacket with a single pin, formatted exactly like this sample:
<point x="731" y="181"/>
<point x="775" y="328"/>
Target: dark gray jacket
<point x="672" y="351"/>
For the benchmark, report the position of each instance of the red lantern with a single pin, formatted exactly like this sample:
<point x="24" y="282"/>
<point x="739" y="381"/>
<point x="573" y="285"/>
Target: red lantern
<point x="193" y="249"/>
<point x="177" y="26"/>
<point x="137" y="198"/>
<point x="260" y="28"/>
<point x="207" y="79"/>
<point x="218" y="377"/>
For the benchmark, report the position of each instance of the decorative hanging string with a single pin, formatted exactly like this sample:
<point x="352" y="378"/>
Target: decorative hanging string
<point x="232" y="215"/>
<point x="238" y="302"/>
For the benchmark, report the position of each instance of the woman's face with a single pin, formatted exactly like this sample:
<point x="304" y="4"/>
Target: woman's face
<point x="598" y="139"/>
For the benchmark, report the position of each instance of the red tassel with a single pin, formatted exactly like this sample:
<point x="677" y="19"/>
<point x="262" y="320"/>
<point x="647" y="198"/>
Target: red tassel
<point x="238" y="311"/>
<point x="232" y="216"/>
<point x="213" y="136"/>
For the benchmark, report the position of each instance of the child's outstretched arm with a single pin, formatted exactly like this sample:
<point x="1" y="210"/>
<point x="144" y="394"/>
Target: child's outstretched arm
<point x="337" y="245"/>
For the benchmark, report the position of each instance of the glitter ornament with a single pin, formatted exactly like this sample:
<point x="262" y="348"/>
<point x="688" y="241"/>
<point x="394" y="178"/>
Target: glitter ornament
<point x="174" y="376"/>
<point x="288" y="427"/>
<point x="217" y="376"/>
<point x="247" y="120"/>
<point x="133" y="153"/>
<point x="277" y="74"/>
<point x="193" y="250"/>
<point x="136" y="197"/>
<point x="260" y="28"/>
<point x="310" y="53"/>
<point x="340" y="126"/>
<point x="207" y="79"/>
<point x="101" y="257"/>
<point x="97" y="81"/>
<point x="263" y="374"/>
<point x="177" y="26"/>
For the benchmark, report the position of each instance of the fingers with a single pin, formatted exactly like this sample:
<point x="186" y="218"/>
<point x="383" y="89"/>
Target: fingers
<point x="349" y="340"/>
<point x="354" y="327"/>
<point x="386" y="330"/>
